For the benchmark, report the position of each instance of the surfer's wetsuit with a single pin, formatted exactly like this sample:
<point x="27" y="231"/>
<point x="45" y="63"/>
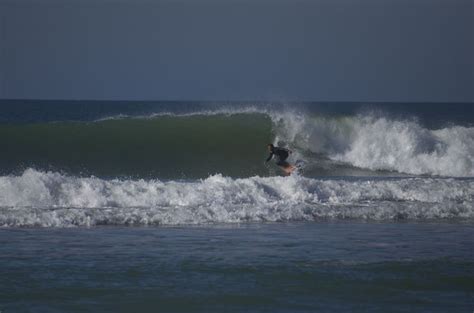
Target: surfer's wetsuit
<point x="281" y="155"/>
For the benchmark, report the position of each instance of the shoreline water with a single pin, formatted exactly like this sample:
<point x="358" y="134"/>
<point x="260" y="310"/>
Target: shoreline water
<point x="274" y="267"/>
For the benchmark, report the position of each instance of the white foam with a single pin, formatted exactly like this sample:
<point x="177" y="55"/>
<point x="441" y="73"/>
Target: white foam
<point x="51" y="199"/>
<point x="379" y="143"/>
<point x="407" y="147"/>
<point x="225" y="111"/>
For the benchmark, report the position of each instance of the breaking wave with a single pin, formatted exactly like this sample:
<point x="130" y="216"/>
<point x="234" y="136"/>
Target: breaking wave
<point x="52" y="199"/>
<point x="379" y="143"/>
<point x="233" y="143"/>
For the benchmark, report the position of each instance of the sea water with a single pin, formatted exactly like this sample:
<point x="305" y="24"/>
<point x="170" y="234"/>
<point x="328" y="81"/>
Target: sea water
<point x="378" y="218"/>
<point x="334" y="266"/>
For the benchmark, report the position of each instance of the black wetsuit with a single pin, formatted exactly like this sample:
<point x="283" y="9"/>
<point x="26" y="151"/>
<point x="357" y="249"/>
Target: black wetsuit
<point x="281" y="155"/>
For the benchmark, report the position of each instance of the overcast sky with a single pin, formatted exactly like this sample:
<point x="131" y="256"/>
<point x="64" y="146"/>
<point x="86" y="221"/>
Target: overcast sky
<point x="326" y="50"/>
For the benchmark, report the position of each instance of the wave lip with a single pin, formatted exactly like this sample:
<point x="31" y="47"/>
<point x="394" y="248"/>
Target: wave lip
<point x="407" y="147"/>
<point x="51" y="199"/>
<point x="380" y="143"/>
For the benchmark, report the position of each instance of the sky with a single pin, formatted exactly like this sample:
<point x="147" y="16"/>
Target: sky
<point x="305" y="50"/>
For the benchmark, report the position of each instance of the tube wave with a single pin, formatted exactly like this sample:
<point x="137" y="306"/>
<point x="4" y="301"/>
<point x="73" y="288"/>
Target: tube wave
<point x="233" y="143"/>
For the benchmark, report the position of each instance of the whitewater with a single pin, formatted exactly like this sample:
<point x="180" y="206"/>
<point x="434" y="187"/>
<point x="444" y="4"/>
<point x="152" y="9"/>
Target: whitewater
<point x="51" y="199"/>
<point x="204" y="165"/>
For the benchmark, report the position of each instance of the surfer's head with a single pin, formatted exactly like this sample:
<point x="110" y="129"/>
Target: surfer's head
<point x="270" y="147"/>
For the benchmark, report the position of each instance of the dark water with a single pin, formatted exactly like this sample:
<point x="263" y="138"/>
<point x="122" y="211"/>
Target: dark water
<point x="378" y="217"/>
<point x="298" y="267"/>
<point x="165" y="147"/>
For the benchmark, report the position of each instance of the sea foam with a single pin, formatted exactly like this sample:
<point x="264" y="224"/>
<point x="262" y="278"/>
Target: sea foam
<point x="52" y="199"/>
<point x="376" y="142"/>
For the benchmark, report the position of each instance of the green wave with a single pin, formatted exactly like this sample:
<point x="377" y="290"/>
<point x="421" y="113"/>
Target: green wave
<point x="167" y="147"/>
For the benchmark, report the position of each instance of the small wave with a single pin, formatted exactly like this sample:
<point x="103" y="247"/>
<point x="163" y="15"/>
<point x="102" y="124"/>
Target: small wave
<point x="52" y="199"/>
<point x="224" y="111"/>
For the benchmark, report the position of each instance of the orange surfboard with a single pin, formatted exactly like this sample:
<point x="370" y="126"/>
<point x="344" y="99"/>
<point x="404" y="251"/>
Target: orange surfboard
<point x="289" y="169"/>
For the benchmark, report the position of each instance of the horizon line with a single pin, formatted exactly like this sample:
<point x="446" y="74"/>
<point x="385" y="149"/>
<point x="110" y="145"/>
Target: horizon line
<point x="233" y="101"/>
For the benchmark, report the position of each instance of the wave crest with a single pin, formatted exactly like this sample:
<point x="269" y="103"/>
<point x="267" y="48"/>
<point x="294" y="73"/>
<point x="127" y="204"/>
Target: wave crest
<point x="379" y="143"/>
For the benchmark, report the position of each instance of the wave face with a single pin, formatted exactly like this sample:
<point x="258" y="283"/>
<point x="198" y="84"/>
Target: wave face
<point x="195" y="142"/>
<point x="52" y="199"/>
<point x="165" y="146"/>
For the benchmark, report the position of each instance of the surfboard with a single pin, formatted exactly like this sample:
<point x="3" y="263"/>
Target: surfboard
<point x="299" y="164"/>
<point x="289" y="169"/>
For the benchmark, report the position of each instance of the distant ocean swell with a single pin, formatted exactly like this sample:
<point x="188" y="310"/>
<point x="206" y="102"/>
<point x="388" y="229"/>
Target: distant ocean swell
<point x="233" y="143"/>
<point x="52" y="199"/>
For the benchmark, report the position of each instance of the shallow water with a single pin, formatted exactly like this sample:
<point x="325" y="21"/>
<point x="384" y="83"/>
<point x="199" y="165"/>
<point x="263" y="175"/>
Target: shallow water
<point x="270" y="267"/>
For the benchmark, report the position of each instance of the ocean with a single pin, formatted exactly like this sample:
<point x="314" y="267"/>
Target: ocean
<point x="169" y="206"/>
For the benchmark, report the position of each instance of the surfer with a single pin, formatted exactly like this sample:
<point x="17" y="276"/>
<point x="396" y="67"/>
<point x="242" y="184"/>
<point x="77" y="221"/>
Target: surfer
<point x="281" y="155"/>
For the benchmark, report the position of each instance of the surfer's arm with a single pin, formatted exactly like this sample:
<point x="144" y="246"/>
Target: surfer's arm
<point x="269" y="157"/>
